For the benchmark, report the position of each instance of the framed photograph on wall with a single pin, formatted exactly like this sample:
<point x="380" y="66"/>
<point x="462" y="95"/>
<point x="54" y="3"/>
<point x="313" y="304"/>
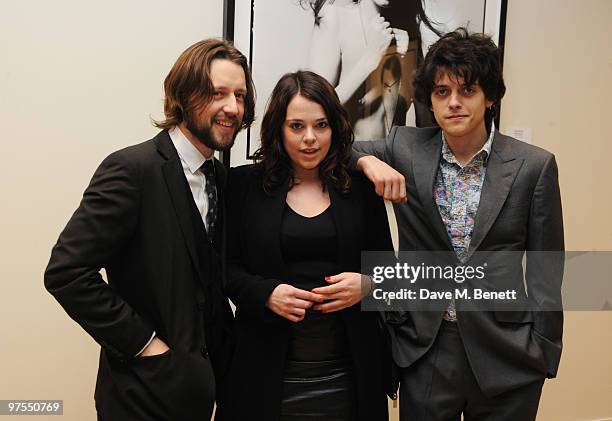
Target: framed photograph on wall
<point x="342" y="40"/>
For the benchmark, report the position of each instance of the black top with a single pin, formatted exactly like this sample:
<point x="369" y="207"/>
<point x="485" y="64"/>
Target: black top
<point x="256" y="266"/>
<point x="310" y="251"/>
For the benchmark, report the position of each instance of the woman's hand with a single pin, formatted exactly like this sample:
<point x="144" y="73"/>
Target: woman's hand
<point x="291" y="303"/>
<point x="346" y="289"/>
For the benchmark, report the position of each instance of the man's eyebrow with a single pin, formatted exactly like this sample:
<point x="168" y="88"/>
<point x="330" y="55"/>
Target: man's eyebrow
<point x="227" y="88"/>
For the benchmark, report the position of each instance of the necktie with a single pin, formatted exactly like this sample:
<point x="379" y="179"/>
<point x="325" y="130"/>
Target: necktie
<point x="210" y="188"/>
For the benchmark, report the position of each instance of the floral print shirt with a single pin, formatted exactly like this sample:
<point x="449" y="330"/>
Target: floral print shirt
<point x="457" y="193"/>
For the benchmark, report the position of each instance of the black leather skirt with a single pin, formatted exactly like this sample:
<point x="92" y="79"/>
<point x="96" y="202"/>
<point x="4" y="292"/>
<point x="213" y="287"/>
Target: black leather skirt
<point x="318" y="390"/>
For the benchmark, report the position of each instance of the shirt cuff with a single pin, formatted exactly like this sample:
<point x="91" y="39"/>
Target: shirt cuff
<point x="146" y="345"/>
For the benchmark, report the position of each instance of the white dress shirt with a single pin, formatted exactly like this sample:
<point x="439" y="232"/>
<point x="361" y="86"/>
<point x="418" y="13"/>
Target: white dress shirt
<point x="191" y="160"/>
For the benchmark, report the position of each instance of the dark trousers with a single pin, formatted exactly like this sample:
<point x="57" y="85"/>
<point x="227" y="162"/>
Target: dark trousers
<point x="441" y="386"/>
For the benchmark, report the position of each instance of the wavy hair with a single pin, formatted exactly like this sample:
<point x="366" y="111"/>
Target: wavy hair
<point x="272" y="158"/>
<point x="188" y="86"/>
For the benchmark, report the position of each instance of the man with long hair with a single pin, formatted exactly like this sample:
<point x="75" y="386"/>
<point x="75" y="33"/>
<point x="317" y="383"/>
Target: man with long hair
<point x="153" y="218"/>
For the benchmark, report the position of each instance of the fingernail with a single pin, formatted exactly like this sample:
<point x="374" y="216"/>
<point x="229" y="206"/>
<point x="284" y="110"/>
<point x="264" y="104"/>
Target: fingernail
<point x="328" y="278"/>
<point x="315" y="291"/>
<point x="321" y="300"/>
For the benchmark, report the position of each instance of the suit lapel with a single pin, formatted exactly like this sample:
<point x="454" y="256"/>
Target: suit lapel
<point x="425" y="163"/>
<point x="341" y="207"/>
<point x="502" y="168"/>
<point x="269" y="218"/>
<point x="179" y="194"/>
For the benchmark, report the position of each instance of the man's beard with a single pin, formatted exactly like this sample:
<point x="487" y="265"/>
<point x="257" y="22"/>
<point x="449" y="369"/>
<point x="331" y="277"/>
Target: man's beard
<point x="205" y="135"/>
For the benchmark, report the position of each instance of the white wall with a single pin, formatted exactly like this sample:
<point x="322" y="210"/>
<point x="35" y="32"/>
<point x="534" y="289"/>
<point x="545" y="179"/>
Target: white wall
<point x="78" y="79"/>
<point x="558" y="68"/>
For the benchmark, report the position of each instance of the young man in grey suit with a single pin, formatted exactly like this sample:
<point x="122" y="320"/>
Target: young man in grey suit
<point x="153" y="218"/>
<point x="472" y="190"/>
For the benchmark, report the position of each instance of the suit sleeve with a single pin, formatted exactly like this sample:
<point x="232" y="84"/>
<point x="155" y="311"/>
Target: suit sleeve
<point x="381" y="149"/>
<point x="248" y="291"/>
<point x="378" y="232"/>
<point x="97" y="232"/>
<point x="545" y="254"/>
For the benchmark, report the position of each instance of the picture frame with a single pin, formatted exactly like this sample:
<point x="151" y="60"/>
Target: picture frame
<point x="280" y="36"/>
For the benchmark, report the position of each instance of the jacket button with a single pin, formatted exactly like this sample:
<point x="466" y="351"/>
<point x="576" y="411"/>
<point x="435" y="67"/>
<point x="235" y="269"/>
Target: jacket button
<point x="205" y="352"/>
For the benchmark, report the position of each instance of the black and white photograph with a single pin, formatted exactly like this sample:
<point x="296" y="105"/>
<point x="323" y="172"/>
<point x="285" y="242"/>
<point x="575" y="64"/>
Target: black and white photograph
<point x="368" y="49"/>
<point x="289" y="210"/>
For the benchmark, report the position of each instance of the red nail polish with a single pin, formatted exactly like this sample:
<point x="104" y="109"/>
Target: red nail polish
<point x="321" y="300"/>
<point x="328" y="278"/>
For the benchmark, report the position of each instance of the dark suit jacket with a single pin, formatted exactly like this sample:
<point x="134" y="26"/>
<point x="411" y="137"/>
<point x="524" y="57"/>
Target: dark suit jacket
<point x="138" y="221"/>
<point x="520" y="210"/>
<point x="255" y="268"/>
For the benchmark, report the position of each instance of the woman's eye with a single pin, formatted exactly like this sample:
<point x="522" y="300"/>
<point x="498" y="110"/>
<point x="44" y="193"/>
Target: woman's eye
<point x="323" y="125"/>
<point x="295" y="126"/>
<point x="440" y="92"/>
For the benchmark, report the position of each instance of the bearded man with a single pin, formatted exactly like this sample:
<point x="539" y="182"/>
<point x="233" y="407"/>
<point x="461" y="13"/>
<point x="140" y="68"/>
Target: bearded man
<point x="153" y="218"/>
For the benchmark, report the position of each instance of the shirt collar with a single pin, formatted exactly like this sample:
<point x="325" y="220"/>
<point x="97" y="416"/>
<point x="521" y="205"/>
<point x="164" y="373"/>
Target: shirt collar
<point x="188" y="153"/>
<point x="482" y="154"/>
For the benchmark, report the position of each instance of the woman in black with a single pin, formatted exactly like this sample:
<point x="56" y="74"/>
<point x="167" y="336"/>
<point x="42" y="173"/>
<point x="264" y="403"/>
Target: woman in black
<point x="298" y="221"/>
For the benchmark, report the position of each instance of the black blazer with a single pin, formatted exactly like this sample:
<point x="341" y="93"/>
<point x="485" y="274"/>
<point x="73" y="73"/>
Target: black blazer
<point x="519" y="211"/>
<point x="138" y="221"/>
<point x="255" y="268"/>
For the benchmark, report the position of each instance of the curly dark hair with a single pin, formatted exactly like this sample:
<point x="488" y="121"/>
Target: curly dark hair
<point x="272" y="158"/>
<point x="473" y="57"/>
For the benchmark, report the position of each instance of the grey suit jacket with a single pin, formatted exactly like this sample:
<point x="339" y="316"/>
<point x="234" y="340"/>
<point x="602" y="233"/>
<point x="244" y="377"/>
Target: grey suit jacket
<point x="519" y="211"/>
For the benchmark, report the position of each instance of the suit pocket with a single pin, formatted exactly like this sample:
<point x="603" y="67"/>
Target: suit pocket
<point x="148" y="367"/>
<point x="551" y="352"/>
<point x="514" y="316"/>
<point x="182" y="384"/>
<point x="395" y="317"/>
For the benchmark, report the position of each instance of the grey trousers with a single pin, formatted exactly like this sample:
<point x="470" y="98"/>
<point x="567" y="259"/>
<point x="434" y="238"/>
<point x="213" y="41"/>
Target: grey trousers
<point x="441" y="386"/>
